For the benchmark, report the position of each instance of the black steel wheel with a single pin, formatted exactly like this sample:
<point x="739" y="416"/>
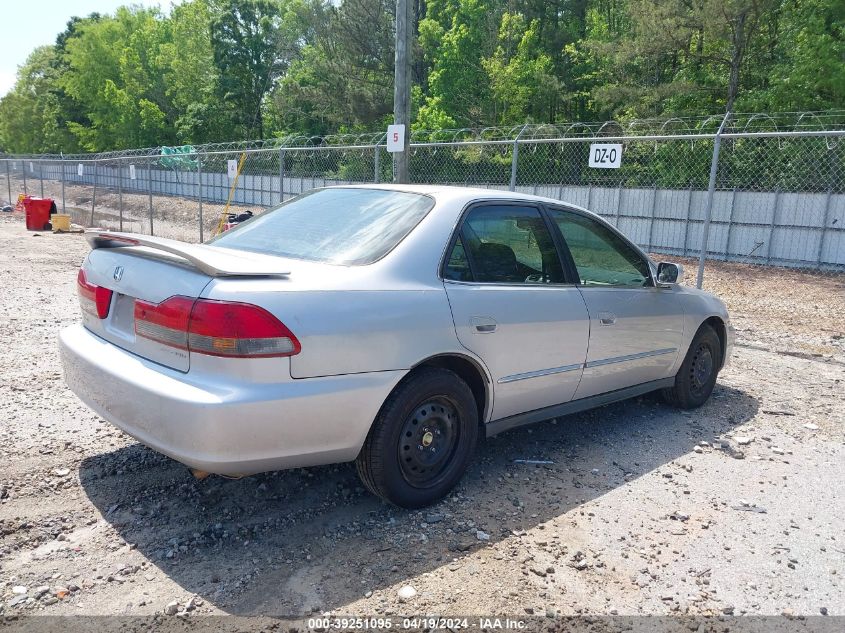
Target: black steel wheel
<point x="696" y="378"/>
<point x="428" y="441"/>
<point x="422" y="439"/>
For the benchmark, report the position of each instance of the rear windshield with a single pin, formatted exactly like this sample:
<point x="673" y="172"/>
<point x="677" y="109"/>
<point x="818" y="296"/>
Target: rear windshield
<point x="340" y="226"/>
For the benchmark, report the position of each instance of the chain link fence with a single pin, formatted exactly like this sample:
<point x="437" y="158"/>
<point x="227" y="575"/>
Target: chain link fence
<point x="776" y="198"/>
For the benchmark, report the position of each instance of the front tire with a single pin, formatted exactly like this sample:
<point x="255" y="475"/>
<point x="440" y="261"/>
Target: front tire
<point x="696" y="378"/>
<point x="421" y="441"/>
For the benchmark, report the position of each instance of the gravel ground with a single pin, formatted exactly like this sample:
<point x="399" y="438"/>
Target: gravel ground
<point x="733" y="508"/>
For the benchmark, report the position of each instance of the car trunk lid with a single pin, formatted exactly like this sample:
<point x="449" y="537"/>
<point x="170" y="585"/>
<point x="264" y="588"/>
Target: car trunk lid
<point x="152" y="270"/>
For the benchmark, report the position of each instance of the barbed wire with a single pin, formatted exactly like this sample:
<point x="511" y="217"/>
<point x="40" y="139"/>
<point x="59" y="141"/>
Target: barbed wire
<point x="693" y="125"/>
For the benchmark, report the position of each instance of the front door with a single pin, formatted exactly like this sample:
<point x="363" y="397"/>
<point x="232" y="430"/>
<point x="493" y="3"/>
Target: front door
<point x="512" y="307"/>
<point x="636" y="329"/>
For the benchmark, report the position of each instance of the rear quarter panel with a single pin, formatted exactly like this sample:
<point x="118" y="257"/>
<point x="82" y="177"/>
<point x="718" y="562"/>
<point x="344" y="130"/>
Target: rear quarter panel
<point x="347" y="331"/>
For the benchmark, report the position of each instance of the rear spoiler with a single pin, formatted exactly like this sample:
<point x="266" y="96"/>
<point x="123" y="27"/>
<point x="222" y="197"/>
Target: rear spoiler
<point x="213" y="261"/>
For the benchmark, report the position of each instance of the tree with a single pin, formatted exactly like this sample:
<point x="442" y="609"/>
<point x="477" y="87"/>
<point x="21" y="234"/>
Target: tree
<point x="253" y="45"/>
<point x="217" y="70"/>
<point x="809" y="68"/>
<point x="29" y="114"/>
<point x="192" y="78"/>
<point x="684" y="55"/>
<point x="343" y="78"/>
<point x="521" y="82"/>
<point x="114" y="72"/>
<point x="455" y="37"/>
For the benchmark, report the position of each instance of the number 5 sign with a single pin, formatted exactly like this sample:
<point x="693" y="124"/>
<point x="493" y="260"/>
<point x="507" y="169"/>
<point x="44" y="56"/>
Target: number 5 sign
<point x="395" y="138"/>
<point x="606" y="155"/>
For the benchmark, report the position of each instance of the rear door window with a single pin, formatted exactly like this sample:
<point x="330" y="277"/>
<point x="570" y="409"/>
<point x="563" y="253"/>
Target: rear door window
<point x="504" y="244"/>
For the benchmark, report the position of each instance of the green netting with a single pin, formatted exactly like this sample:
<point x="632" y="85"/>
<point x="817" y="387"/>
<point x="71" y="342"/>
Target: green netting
<point x="180" y="157"/>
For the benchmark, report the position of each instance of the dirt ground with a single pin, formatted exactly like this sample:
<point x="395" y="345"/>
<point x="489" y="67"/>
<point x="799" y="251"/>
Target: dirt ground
<point x="735" y="508"/>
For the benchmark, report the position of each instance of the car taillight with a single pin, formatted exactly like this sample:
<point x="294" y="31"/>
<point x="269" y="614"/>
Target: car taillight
<point x="94" y="300"/>
<point x="216" y="328"/>
<point x="165" y="322"/>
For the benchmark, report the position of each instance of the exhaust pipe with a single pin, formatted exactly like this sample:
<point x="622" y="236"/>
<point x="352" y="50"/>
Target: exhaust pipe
<point x="199" y="475"/>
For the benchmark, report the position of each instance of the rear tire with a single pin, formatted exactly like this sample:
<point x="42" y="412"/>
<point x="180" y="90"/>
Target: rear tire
<point x="421" y="441"/>
<point x="696" y="377"/>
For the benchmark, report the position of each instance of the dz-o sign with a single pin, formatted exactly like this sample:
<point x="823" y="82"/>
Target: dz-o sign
<point x="606" y="155"/>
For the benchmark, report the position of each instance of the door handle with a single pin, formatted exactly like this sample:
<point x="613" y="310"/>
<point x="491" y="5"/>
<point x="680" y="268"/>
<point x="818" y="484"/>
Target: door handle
<point x="607" y="318"/>
<point x="484" y="325"/>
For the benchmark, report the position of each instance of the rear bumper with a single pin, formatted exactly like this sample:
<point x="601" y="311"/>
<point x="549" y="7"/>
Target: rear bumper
<point x="225" y="427"/>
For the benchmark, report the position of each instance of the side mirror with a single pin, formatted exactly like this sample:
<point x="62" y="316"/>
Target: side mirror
<point x="669" y="274"/>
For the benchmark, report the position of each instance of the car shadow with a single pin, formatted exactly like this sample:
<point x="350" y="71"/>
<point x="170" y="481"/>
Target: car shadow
<point x="293" y="542"/>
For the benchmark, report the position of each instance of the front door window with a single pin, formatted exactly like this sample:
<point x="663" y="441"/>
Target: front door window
<point x="601" y="257"/>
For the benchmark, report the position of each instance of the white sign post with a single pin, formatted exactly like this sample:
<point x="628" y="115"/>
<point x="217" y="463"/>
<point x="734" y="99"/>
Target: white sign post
<point x="395" y="138"/>
<point x="606" y="155"/>
<point x="232" y="168"/>
<point x="131" y="172"/>
<point x="79" y="169"/>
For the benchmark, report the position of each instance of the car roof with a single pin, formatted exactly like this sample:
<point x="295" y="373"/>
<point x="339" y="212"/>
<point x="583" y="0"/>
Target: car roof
<point x="451" y="193"/>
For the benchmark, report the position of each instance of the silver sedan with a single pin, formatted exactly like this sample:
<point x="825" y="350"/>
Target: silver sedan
<point x="389" y="325"/>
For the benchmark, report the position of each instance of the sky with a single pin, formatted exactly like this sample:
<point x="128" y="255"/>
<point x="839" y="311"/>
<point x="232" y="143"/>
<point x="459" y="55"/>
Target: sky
<point x="27" y="24"/>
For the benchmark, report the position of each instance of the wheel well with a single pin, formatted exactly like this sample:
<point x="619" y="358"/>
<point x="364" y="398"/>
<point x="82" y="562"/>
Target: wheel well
<point x="719" y="326"/>
<point x="469" y="372"/>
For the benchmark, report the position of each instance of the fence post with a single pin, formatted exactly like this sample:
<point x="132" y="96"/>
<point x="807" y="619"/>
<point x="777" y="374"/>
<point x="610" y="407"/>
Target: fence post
<point x="824" y="229"/>
<point x="9" y="179"/>
<point x="150" y="194"/>
<point x="199" y="193"/>
<point x="120" y="193"/>
<point x="618" y="205"/>
<point x="651" y="223"/>
<point x="376" y="165"/>
<point x="282" y="175"/>
<point x="23" y="171"/>
<point x="62" y="167"/>
<point x="41" y="177"/>
<point x="94" y="194"/>
<point x="711" y="189"/>
<point x="687" y="223"/>
<point x="772" y="226"/>
<point x="515" y="158"/>
<point x="730" y="226"/>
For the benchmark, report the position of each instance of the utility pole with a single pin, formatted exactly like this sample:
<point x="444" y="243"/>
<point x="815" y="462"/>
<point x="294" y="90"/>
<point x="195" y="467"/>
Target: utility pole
<point x="402" y="84"/>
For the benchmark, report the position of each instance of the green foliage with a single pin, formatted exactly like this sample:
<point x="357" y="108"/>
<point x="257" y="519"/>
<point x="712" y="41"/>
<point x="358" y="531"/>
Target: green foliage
<point x="343" y="78"/>
<point x="29" y="114"/>
<point x="191" y="76"/>
<point x="245" y="38"/>
<point x="454" y="37"/>
<point x="218" y="70"/>
<point x="519" y="70"/>
<point x="115" y="73"/>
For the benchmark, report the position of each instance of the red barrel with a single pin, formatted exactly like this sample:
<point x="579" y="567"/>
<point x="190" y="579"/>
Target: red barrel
<point x="37" y="212"/>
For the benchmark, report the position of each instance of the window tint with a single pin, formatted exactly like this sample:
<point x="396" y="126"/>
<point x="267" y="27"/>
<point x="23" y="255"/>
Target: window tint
<point x="340" y="226"/>
<point x="601" y="256"/>
<point x="505" y="244"/>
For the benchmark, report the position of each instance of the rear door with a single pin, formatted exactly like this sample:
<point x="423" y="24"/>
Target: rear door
<point x="636" y="329"/>
<point x="513" y="308"/>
